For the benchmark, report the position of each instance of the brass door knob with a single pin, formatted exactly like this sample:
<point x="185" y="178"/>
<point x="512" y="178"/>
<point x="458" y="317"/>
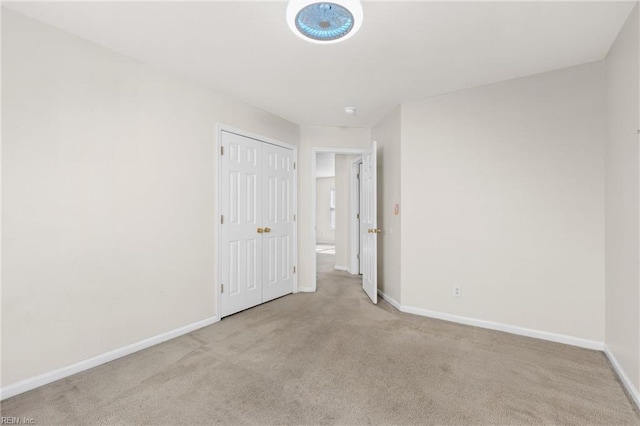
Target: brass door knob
<point x="377" y="231"/>
<point x="260" y="230"/>
<point x="369" y="230"/>
<point x="267" y="229"/>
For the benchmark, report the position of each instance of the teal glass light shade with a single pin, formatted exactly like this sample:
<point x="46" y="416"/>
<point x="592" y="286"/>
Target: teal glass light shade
<point x="324" y="21"/>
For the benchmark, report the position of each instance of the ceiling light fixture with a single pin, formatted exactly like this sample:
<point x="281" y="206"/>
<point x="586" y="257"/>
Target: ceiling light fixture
<point x="324" y="22"/>
<point x="349" y="110"/>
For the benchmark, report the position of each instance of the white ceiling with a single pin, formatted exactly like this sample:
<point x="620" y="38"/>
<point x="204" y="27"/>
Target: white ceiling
<point x="404" y="50"/>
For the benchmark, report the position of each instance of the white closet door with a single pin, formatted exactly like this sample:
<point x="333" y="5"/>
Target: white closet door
<point x="277" y="201"/>
<point x="241" y="245"/>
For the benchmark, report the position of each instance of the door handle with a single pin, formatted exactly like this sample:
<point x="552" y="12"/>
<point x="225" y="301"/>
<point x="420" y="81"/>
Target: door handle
<point x="260" y="230"/>
<point x="267" y="229"/>
<point x="377" y="231"/>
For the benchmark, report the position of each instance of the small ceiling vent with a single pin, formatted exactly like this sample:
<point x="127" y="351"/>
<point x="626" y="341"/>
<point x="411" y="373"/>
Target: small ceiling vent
<point x="324" y="22"/>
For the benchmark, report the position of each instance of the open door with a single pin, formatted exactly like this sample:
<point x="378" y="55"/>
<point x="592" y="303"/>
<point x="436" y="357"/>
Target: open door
<point x="369" y="225"/>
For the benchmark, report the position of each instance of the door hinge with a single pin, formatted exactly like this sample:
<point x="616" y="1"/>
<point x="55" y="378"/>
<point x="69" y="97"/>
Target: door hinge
<point x="222" y="150"/>
<point x="358" y="256"/>
<point x="358" y="176"/>
<point x="357" y="215"/>
<point x="294" y="165"/>
<point x="294" y="217"/>
<point x="221" y="219"/>
<point x="294" y="269"/>
<point x="221" y="288"/>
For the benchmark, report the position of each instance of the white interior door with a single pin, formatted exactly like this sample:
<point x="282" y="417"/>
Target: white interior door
<point x="277" y="201"/>
<point x="369" y="225"/>
<point x="257" y="229"/>
<point x="241" y="246"/>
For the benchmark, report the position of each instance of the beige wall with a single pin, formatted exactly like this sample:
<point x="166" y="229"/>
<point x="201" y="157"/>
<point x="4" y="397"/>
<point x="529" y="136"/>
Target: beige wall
<point x="108" y="198"/>
<point x="324" y="232"/>
<point x="387" y="134"/>
<point x="622" y="195"/>
<point x="310" y="137"/>
<point x="503" y="195"/>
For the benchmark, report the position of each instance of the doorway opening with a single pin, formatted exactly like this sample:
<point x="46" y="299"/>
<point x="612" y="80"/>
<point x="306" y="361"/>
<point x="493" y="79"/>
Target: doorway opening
<point x="336" y="205"/>
<point x="343" y="252"/>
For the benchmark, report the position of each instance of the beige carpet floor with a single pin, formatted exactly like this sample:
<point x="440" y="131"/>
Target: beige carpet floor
<point x="332" y="357"/>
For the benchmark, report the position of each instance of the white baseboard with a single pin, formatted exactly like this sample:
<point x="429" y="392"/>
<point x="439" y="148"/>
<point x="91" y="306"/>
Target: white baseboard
<point x="626" y="381"/>
<point x="538" y="334"/>
<point x="306" y="290"/>
<point x="521" y="331"/>
<point x="391" y="300"/>
<point x="46" y="378"/>
<point x="340" y="268"/>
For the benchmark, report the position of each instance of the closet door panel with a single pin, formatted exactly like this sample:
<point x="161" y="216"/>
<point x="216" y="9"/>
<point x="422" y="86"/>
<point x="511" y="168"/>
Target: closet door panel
<point x="278" y="173"/>
<point x="241" y="246"/>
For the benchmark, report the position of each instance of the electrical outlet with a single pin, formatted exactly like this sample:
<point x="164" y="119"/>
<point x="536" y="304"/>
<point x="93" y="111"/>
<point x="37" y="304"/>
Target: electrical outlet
<point x="457" y="291"/>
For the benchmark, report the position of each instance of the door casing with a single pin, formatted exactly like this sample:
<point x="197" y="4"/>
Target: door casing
<point x="355" y="221"/>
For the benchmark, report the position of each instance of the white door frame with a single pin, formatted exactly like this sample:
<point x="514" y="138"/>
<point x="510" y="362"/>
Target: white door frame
<point x="216" y="216"/>
<point x="314" y="151"/>
<point x="354" y="269"/>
